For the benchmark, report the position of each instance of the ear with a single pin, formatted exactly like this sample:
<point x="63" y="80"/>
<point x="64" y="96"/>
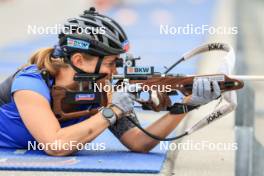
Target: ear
<point x="77" y="60"/>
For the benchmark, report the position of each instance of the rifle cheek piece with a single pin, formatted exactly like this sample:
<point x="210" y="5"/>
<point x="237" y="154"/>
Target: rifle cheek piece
<point x="72" y="102"/>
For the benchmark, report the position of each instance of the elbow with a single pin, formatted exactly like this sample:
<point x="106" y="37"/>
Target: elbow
<point x="57" y="149"/>
<point x="140" y="149"/>
<point x="57" y="152"/>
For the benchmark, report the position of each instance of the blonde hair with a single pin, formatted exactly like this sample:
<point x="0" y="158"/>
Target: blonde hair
<point x="44" y="60"/>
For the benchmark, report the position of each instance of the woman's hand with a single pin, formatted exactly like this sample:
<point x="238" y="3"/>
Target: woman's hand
<point x="203" y="92"/>
<point x="123" y="99"/>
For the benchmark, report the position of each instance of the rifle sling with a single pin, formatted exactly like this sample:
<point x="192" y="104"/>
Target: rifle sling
<point x="178" y="108"/>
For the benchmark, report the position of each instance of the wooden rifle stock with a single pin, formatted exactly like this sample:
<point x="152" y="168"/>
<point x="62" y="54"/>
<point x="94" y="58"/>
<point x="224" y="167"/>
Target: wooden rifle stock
<point x="184" y="83"/>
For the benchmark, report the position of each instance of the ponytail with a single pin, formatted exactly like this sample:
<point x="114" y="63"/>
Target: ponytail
<point x="44" y="60"/>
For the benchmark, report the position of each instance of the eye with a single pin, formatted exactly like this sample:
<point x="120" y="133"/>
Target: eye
<point x="110" y="64"/>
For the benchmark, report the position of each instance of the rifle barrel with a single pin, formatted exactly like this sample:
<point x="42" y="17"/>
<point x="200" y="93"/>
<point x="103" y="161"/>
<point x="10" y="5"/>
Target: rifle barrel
<point x="248" y="77"/>
<point x="240" y="77"/>
<point x="243" y="77"/>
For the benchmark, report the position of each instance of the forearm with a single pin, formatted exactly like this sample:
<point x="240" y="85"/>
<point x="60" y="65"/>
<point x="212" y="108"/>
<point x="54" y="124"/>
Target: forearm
<point x="161" y="128"/>
<point x="82" y="132"/>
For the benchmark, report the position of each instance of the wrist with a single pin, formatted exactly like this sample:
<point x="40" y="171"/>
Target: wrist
<point x="109" y="115"/>
<point x="118" y="112"/>
<point x="104" y="119"/>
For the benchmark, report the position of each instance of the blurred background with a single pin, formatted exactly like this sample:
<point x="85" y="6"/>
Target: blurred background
<point x="141" y="20"/>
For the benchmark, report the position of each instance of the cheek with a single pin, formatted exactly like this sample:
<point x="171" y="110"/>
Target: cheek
<point x="108" y="70"/>
<point x="89" y="66"/>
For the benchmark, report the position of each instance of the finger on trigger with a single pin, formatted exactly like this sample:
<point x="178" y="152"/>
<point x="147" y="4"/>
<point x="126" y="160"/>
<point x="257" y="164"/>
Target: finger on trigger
<point x="216" y="89"/>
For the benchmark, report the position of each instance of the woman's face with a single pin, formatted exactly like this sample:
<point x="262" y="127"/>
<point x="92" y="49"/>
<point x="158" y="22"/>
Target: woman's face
<point x="108" y="65"/>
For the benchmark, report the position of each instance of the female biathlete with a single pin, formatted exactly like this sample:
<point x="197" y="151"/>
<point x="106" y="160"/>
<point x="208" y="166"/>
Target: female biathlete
<point x="25" y="98"/>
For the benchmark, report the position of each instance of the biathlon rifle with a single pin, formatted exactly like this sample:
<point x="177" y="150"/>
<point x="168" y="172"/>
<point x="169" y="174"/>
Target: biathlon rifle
<point x="66" y="101"/>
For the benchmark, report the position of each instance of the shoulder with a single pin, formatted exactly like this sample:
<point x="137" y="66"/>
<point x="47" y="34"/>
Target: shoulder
<point x="30" y="78"/>
<point x="29" y="71"/>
